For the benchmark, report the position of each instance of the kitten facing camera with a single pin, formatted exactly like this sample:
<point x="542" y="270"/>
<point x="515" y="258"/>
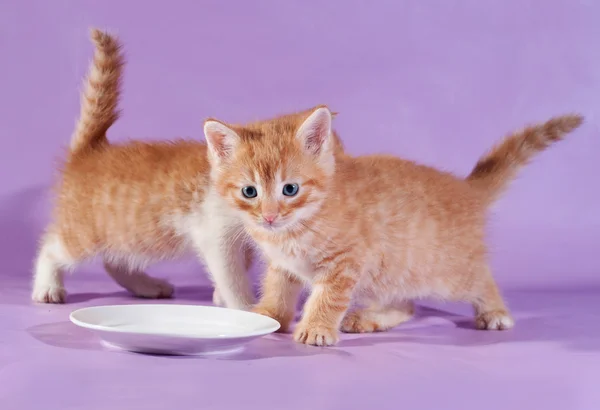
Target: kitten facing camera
<point x="370" y="234"/>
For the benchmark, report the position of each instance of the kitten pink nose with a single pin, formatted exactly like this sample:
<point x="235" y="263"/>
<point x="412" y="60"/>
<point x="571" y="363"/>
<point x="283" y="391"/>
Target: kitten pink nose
<point x="269" y="218"/>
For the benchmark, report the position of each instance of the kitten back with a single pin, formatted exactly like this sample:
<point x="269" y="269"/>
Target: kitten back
<point x="495" y="170"/>
<point x="100" y="97"/>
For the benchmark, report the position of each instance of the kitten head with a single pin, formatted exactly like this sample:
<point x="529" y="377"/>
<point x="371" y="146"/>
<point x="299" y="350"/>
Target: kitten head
<point x="274" y="172"/>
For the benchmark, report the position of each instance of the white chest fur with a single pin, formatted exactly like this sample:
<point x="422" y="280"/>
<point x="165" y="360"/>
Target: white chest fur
<point x="292" y="258"/>
<point x="211" y="220"/>
<point x="218" y="237"/>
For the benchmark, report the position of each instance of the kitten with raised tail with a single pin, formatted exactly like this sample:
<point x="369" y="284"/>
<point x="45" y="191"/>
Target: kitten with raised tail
<point x="368" y="234"/>
<point x="136" y="203"/>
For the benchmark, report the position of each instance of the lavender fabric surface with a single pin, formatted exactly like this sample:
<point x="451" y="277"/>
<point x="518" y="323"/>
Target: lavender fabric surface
<point x="438" y="82"/>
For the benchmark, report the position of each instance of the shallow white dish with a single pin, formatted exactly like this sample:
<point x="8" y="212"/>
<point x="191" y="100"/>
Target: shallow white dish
<point x="174" y="329"/>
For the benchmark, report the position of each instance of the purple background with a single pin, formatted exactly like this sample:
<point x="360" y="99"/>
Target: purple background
<point x="436" y="81"/>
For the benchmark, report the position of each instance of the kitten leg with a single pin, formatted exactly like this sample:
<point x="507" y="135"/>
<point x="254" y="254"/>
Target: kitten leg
<point x="490" y="311"/>
<point x="52" y="260"/>
<point x="137" y="282"/>
<point x="377" y="319"/>
<point x="225" y="259"/>
<point x="326" y="306"/>
<point x="280" y="291"/>
<point x="249" y="255"/>
<point x="217" y="299"/>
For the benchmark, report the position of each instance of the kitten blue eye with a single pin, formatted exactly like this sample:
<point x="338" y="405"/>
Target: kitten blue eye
<point x="249" y="192"/>
<point x="290" y="189"/>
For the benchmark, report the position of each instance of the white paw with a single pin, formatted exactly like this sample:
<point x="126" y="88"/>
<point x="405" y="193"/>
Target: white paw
<point x="152" y="288"/>
<point x="494" y="320"/>
<point x="217" y="299"/>
<point x="49" y="294"/>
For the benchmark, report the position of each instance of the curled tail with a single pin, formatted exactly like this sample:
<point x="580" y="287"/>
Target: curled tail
<point x="100" y="97"/>
<point x="498" y="168"/>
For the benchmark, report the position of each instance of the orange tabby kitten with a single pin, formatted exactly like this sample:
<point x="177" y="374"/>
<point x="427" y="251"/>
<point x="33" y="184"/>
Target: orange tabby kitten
<point x="377" y="231"/>
<point x="136" y="203"/>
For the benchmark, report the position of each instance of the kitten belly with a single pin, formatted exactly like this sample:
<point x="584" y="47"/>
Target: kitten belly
<point x="154" y="250"/>
<point x="391" y="280"/>
<point x="375" y="289"/>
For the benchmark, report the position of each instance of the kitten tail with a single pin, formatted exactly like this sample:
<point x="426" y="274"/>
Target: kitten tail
<point x="100" y="97"/>
<point x="499" y="167"/>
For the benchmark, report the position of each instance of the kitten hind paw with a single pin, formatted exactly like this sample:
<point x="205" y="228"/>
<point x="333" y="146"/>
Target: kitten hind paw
<point x="378" y="320"/>
<point x="355" y="322"/>
<point x="152" y="288"/>
<point x="494" y="320"/>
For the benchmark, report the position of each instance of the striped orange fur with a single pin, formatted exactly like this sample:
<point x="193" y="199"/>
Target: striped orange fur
<point x="136" y="203"/>
<point x="367" y="234"/>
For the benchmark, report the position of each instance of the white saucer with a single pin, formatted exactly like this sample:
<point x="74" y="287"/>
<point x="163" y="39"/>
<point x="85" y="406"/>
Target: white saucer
<point x="174" y="329"/>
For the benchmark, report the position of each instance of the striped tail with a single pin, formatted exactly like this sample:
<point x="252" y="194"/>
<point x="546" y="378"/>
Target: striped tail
<point x="100" y="97"/>
<point x="498" y="168"/>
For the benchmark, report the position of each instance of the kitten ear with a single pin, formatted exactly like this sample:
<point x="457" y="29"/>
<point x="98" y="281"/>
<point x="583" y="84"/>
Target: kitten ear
<point x="315" y="132"/>
<point x="221" y="139"/>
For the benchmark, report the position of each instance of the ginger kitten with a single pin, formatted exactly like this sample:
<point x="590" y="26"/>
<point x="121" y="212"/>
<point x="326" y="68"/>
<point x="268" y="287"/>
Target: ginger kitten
<point x="136" y="203"/>
<point x="368" y="234"/>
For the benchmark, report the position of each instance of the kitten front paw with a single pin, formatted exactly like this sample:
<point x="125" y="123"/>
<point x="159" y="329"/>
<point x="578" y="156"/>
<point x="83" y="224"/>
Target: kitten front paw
<point x="316" y="335"/>
<point x="49" y="294"/>
<point x="284" y="320"/>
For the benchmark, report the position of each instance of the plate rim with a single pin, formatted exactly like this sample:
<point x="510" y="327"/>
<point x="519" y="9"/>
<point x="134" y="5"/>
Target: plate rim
<point x="275" y="327"/>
